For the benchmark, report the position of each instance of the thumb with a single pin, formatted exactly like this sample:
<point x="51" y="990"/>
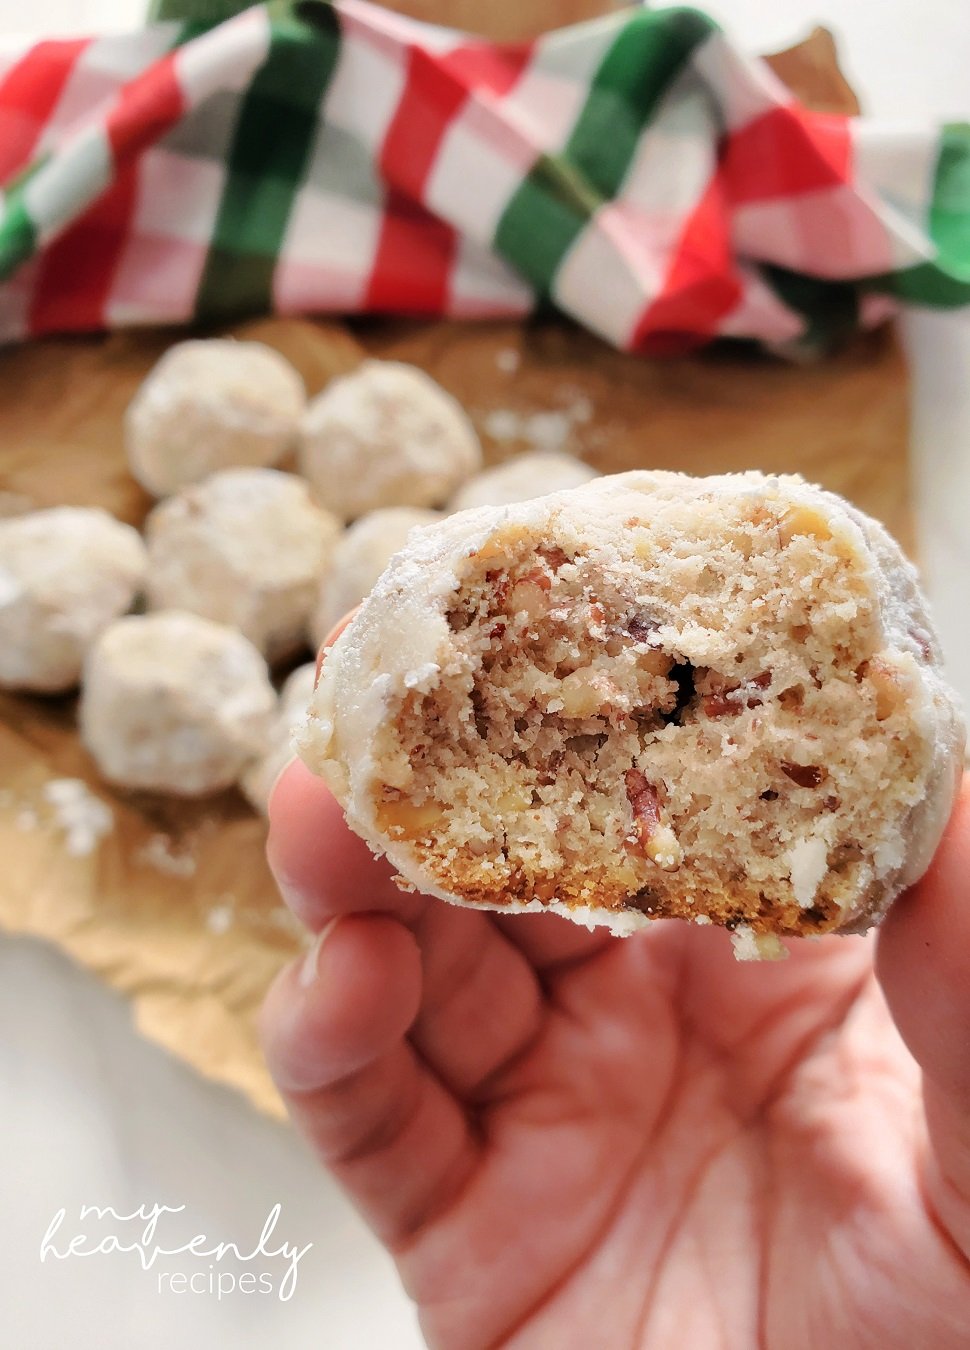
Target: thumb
<point x="923" y="962"/>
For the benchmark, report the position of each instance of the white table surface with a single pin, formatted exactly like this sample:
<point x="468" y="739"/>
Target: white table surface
<point x="91" y="1114"/>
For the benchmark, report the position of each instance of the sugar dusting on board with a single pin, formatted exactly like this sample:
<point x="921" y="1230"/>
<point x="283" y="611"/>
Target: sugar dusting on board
<point x="82" y="818"/>
<point x="549" y="429"/>
<point x="159" y="852"/>
<point x="219" y="919"/>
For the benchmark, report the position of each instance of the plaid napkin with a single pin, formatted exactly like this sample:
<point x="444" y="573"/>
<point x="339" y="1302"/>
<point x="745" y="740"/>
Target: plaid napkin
<point x="636" y="172"/>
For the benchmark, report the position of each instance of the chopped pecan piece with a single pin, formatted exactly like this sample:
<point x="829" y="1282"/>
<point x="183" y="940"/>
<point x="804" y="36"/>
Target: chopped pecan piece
<point x="529" y="596"/>
<point x="538" y="577"/>
<point x="500" y="583"/>
<point x="644" y="803"/>
<point x="802" y="520"/>
<point x="805" y="775"/>
<point x="729" y="701"/>
<point x="412" y="820"/>
<point x="641" y="627"/>
<point x="585" y="692"/>
<point x="656" y="840"/>
<point x="554" y="557"/>
<point x="888" y="686"/>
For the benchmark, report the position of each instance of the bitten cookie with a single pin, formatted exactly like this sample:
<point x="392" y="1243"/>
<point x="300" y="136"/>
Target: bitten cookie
<point x="717" y="699"/>
<point x="359" y="557"/>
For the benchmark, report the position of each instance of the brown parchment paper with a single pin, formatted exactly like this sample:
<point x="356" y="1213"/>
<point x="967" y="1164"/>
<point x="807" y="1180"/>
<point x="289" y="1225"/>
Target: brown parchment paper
<point x="175" y="907"/>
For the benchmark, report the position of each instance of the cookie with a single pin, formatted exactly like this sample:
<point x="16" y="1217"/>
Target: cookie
<point x="65" y="575"/>
<point x="245" y="547"/>
<point x="210" y="404"/>
<point x="386" y="435"/>
<point x="534" y="474"/>
<point x="172" y="703"/>
<point x="716" y="699"/>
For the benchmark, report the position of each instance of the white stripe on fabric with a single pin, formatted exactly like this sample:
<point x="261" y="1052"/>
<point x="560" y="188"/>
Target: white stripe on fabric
<point x="481" y="285"/>
<point x="896" y="162"/>
<point x="611" y="272"/>
<point x="481" y="163"/>
<point x="101" y="70"/>
<point x="125" y="55"/>
<point x="745" y="86"/>
<point x="64" y="186"/>
<point x="832" y="233"/>
<point x="503" y="136"/>
<point x="328" y="256"/>
<point x="675" y="157"/>
<point x="178" y="195"/>
<point x="760" y="313"/>
<point x="225" y="58"/>
<point x="365" y="89"/>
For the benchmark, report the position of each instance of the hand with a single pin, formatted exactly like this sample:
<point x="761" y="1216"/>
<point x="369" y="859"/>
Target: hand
<point x="575" y="1142"/>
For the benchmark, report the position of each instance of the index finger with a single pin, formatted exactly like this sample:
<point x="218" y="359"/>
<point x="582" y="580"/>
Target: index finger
<point x="320" y="866"/>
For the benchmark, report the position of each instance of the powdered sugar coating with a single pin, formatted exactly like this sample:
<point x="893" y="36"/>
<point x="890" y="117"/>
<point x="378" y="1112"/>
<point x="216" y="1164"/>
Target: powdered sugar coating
<point x="245" y="547"/>
<point x="359" y="558"/>
<point x="65" y="574"/>
<point x="386" y="435"/>
<point x="174" y="703"/>
<point x="211" y="404"/>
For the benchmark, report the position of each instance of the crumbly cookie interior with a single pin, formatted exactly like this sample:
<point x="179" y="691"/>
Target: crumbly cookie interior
<point x="699" y="718"/>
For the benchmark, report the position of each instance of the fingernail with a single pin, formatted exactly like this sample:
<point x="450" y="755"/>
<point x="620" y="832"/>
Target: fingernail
<point x="292" y="897"/>
<point x="311" y="962"/>
<point x="276" y="782"/>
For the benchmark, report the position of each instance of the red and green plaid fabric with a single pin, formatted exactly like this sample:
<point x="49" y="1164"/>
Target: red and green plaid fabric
<point x="636" y="172"/>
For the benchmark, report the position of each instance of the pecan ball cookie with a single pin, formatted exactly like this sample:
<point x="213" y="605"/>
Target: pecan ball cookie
<point x="716" y="699"/>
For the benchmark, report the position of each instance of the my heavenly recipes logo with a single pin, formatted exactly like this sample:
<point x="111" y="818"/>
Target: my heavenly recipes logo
<point x="102" y="1231"/>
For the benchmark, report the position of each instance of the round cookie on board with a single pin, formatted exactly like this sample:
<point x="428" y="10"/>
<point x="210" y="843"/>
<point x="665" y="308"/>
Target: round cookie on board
<point x="386" y="435"/>
<point x="65" y="574"/>
<point x="245" y="547"/>
<point x="211" y="404"/>
<point x="174" y="703"/>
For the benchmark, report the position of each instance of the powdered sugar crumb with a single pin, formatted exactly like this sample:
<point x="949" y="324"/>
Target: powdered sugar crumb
<point x="83" y="818"/>
<point x="744" y="943"/>
<point x="157" y="852"/>
<point x="508" y="360"/>
<point x="751" y="946"/>
<point x="549" y="430"/>
<point x="219" y="919"/>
